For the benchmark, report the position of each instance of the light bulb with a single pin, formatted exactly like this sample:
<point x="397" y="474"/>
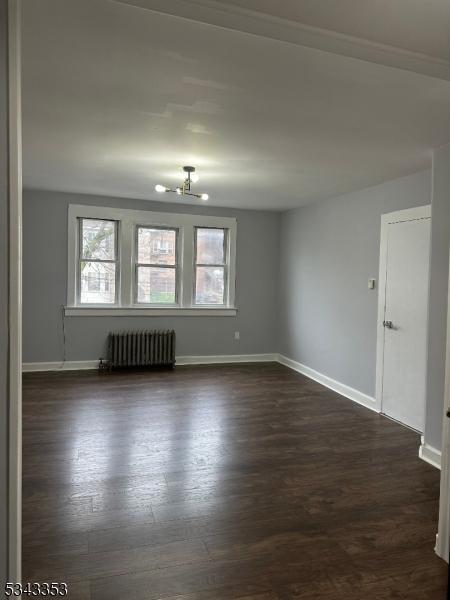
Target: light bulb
<point x="179" y="191"/>
<point x="194" y="177"/>
<point x="204" y="196"/>
<point x="160" y="188"/>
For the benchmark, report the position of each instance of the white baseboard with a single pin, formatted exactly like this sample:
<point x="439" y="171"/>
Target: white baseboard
<point x="430" y="454"/>
<point x="332" y="384"/>
<point x="71" y="365"/>
<point x="78" y="365"/>
<point x="226" y="358"/>
<point x="442" y="549"/>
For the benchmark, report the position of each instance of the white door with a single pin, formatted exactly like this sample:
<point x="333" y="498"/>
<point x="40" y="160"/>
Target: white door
<point x="405" y="318"/>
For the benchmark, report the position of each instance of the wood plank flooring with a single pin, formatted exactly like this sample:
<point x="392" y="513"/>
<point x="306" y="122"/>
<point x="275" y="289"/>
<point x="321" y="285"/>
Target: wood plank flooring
<point x="225" y="482"/>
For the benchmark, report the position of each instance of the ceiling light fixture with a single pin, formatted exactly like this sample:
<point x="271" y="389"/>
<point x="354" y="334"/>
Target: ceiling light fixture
<point x="185" y="190"/>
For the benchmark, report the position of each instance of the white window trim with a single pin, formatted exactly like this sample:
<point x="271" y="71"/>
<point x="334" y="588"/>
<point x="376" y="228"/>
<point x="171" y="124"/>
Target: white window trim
<point x="128" y="220"/>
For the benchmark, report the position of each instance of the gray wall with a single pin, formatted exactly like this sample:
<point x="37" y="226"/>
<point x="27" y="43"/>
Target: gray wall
<point x="45" y="281"/>
<point x="320" y="256"/>
<point x="328" y="251"/>
<point x="440" y="245"/>
<point x="4" y="291"/>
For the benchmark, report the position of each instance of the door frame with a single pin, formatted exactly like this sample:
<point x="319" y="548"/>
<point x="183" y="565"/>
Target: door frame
<point x="443" y="536"/>
<point x="399" y="216"/>
<point x="15" y="292"/>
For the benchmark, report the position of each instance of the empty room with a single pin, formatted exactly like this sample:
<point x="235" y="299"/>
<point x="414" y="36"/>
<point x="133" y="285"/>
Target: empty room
<point x="225" y="277"/>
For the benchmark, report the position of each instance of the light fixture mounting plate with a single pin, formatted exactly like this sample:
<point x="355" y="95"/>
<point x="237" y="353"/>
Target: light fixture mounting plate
<point x="189" y="169"/>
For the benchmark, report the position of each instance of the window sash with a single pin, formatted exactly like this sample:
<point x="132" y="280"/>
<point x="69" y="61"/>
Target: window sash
<point x="156" y="265"/>
<point x="83" y="259"/>
<point x="225" y="281"/>
<point x="223" y="265"/>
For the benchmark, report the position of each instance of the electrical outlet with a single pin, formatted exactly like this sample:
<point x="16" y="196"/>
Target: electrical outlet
<point x="237" y="335"/>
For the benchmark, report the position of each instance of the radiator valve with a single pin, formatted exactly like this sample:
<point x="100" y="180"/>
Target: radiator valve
<point x="103" y="365"/>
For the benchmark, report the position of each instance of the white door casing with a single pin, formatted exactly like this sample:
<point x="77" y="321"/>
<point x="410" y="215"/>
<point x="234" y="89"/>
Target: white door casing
<point x="443" y="538"/>
<point x="403" y="300"/>
<point x="15" y="291"/>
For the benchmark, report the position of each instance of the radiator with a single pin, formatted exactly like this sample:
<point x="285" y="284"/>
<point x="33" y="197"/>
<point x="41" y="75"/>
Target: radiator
<point x="141" y="348"/>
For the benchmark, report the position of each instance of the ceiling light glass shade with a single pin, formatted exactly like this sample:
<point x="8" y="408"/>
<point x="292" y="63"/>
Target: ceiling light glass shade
<point x="160" y="188"/>
<point x="204" y="196"/>
<point x="194" y="177"/>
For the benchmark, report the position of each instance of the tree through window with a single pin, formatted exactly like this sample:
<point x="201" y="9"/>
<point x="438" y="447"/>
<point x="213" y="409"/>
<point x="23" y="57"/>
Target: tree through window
<point x="97" y="265"/>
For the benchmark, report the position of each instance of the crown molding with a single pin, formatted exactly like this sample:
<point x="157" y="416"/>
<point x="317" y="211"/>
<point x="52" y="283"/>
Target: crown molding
<point x="252" y="22"/>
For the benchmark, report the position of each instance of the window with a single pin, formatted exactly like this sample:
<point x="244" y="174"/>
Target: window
<point x="97" y="263"/>
<point x="126" y="262"/>
<point x="156" y="267"/>
<point x="210" y="265"/>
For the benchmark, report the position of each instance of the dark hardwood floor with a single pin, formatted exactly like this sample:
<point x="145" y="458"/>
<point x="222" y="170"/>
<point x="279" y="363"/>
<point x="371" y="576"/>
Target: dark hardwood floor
<point x="244" y="482"/>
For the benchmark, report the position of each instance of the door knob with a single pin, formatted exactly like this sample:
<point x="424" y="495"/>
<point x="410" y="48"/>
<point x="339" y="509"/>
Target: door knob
<point x="388" y="324"/>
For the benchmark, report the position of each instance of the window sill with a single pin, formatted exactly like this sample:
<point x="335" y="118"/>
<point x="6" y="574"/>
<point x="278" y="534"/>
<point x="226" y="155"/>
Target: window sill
<point x="94" y="311"/>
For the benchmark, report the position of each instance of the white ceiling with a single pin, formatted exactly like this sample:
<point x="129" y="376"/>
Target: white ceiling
<point x="421" y="26"/>
<point x="117" y="98"/>
<point x="409" y="34"/>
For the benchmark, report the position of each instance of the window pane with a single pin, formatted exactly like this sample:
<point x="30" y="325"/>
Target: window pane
<point x="98" y="283"/>
<point x="209" y="288"/>
<point x="98" y="239"/>
<point x="156" y="286"/>
<point x="210" y="246"/>
<point x="157" y="246"/>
